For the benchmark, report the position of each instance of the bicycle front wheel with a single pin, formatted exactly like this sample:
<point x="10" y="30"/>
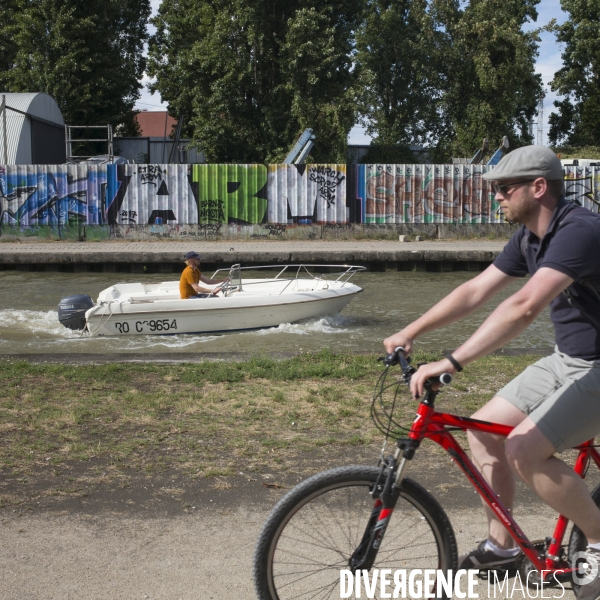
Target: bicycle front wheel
<point x="313" y="530"/>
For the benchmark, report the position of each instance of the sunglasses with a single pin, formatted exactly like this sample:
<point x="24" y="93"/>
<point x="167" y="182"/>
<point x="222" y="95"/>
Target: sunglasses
<point x="503" y="188"/>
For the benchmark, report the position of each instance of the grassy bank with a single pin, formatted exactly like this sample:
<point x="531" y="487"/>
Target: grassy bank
<point x="207" y="419"/>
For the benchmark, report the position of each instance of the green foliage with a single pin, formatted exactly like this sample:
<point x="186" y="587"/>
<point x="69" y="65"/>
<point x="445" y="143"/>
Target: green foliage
<point x="491" y="86"/>
<point x="447" y="73"/>
<point x="577" y="121"/>
<point x="399" y="72"/>
<point x="578" y="151"/>
<point x="8" y="48"/>
<point x="87" y="55"/>
<point x="251" y="75"/>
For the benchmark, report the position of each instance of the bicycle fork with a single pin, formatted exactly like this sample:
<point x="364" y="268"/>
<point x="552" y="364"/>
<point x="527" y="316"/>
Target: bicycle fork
<point x="386" y="494"/>
<point x="385" y="491"/>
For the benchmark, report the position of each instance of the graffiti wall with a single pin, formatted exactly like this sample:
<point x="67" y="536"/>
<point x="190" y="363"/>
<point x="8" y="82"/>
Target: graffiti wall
<point x="448" y="193"/>
<point x="261" y="201"/>
<point x="231" y="193"/>
<point x="582" y="184"/>
<point x="55" y="196"/>
<point x="150" y="195"/>
<point x="307" y="194"/>
<point x="124" y="198"/>
<point x="425" y="194"/>
<point x="284" y="194"/>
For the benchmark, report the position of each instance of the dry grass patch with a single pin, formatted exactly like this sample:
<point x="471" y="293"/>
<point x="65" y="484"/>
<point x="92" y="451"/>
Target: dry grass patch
<point x="208" y="420"/>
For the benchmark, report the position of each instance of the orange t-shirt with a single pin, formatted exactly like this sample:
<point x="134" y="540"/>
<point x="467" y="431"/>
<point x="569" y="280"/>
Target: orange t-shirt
<point x="190" y="275"/>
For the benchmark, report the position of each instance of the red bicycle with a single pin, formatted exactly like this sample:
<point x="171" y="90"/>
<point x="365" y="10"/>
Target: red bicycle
<point x="342" y="518"/>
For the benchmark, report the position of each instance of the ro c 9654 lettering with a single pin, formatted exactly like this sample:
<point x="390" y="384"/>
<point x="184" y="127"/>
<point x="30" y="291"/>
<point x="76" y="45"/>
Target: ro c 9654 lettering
<point x="147" y="326"/>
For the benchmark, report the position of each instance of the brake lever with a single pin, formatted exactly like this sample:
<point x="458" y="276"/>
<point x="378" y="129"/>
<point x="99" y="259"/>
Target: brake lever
<point x="398" y="356"/>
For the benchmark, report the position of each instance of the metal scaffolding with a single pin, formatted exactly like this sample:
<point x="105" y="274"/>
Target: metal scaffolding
<point x="69" y="141"/>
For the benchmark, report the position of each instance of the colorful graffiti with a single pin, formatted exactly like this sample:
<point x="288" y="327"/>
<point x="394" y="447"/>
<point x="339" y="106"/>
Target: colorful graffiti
<point x="166" y="200"/>
<point x="150" y="195"/>
<point x="61" y="195"/>
<point x="126" y="197"/>
<point x="448" y="193"/>
<point x="307" y="194"/>
<point x="425" y="194"/>
<point x="231" y="193"/>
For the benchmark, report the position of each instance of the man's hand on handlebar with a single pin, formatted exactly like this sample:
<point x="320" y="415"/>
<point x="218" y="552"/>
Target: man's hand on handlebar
<point x="399" y="339"/>
<point x="425" y="372"/>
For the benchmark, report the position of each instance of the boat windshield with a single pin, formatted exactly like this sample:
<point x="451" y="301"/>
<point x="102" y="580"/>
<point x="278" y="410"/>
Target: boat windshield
<point x="235" y="276"/>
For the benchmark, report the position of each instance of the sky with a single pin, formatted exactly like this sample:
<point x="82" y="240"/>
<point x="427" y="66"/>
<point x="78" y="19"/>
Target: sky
<point x="549" y="61"/>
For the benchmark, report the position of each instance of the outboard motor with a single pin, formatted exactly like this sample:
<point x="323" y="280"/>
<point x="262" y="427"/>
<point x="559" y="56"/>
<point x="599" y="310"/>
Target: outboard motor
<point x="72" y="309"/>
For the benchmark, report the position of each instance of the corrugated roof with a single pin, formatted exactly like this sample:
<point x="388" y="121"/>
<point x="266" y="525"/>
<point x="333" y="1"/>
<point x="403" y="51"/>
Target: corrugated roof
<point x="18" y="128"/>
<point x="37" y="105"/>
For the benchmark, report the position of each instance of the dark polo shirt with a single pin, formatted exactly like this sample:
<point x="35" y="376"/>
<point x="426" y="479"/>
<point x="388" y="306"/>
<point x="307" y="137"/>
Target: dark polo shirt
<point x="572" y="246"/>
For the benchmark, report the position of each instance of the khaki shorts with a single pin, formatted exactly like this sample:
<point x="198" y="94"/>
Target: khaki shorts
<point x="561" y="395"/>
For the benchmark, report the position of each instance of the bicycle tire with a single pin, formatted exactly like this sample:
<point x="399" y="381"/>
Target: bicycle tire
<point x="312" y="531"/>
<point x="577" y="539"/>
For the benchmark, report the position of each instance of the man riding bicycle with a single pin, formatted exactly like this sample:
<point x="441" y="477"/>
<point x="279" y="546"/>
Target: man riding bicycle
<point x="555" y="403"/>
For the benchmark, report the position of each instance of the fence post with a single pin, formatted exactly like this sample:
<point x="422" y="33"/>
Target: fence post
<point x="5" y="140"/>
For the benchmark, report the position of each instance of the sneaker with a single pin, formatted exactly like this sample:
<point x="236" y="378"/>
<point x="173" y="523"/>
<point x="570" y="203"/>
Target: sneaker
<point x="590" y="590"/>
<point x="484" y="559"/>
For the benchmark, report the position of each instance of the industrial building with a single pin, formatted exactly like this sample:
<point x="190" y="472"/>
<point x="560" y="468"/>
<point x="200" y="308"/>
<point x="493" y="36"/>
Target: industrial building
<point x="32" y="130"/>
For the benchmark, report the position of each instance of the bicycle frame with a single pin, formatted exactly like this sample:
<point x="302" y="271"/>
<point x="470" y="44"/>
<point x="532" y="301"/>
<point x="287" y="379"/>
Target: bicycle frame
<point x="433" y="425"/>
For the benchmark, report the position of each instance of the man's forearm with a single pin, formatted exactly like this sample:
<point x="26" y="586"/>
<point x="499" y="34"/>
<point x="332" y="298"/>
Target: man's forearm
<point x="510" y="319"/>
<point x="455" y="306"/>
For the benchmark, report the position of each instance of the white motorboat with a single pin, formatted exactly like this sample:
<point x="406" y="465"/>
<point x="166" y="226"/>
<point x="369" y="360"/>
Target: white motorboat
<point x="294" y="293"/>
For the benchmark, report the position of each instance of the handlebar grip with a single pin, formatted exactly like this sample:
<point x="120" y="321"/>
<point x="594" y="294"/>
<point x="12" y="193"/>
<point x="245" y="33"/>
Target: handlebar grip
<point x="445" y="379"/>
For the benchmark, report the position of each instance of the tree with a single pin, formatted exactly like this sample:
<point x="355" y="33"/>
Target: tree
<point x="8" y="48"/>
<point x="490" y="85"/>
<point x="250" y="75"/>
<point x="87" y="55"/>
<point x="398" y="69"/>
<point x="577" y="121"/>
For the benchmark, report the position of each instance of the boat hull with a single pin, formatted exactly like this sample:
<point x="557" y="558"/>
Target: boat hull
<point x="216" y="315"/>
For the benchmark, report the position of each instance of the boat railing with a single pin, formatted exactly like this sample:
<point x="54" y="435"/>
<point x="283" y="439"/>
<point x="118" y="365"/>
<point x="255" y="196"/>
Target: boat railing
<point x="290" y="273"/>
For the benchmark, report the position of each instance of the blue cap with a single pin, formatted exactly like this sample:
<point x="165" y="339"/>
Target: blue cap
<point x="192" y="254"/>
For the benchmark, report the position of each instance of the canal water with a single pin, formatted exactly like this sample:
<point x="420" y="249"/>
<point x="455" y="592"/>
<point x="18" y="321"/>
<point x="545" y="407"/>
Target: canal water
<point x="29" y="322"/>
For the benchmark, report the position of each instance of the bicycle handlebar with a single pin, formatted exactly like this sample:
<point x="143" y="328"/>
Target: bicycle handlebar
<point x="398" y="356"/>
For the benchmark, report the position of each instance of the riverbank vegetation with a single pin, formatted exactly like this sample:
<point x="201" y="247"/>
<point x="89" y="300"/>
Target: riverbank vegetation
<point x="209" y="419"/>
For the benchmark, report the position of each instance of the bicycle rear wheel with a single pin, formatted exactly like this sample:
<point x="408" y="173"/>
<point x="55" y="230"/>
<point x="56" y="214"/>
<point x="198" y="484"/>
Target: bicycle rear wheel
<point x="314" y="529"/>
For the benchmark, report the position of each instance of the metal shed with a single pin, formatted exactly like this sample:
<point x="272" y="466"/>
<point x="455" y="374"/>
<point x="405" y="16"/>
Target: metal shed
<point x="32" y="130"/>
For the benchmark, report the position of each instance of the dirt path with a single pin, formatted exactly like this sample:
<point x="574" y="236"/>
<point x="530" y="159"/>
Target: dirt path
<point x="137" y="544"/>
<point x="207" y="555"/>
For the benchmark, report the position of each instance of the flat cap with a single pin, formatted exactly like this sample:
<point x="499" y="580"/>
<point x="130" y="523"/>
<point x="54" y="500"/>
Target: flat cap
<point x="527" y="163"/>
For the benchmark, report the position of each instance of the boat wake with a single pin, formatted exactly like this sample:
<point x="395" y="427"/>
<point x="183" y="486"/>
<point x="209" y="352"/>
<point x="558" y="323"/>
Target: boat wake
<point x="162" y="341"/>
<point x="40" y="331"/>
<point x="333" y="324"/>
<point x="20" y="322"/>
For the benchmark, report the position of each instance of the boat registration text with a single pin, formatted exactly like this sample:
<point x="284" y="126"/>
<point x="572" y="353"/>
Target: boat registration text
<point x="148" y="326"/>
